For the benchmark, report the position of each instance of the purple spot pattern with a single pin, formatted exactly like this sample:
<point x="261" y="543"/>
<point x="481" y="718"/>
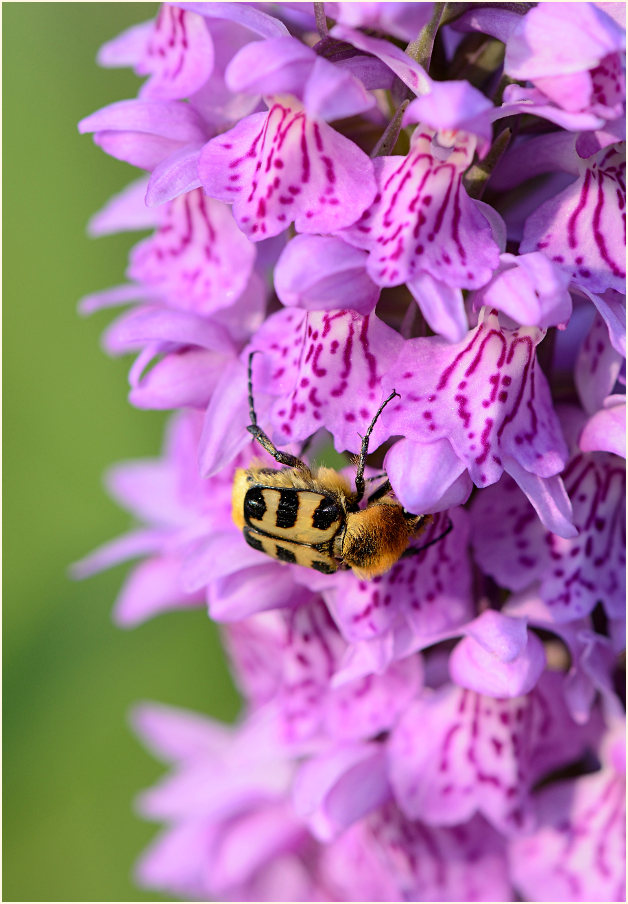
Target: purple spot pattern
<point x="313" y="650"/>
<point x="597" y="367"/>
<point x="587" y="224"/>
<point x="484" y="754"/>
<point x="579" y="851"/>
<point x="291" y="658"/>
<point x="281" y="167"/>
<point x="423" y="221"/>
<point x="462" y="863"/>
<point x="511" y="544"/>
<point x="608" y="86"/>
<point x="178" y="57"/>
<point x="197" y="259"/>
<point x="426" y="593"/>
<point x="485" y="394"/>
<point x="326" y="367"/>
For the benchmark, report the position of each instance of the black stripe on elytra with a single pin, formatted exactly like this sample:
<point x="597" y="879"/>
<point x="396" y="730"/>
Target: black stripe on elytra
<point x="288" y="508"/>
<point x="285" y="555"/>
<point x="323" y="567"/>
<point x="326" y="512"/>
<point x="252" y="540"/>
<point x="254" y="504"/>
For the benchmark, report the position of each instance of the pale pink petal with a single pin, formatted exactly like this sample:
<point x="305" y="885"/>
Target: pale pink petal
<point x="125" y="211"/>
<point x="427" y="477"/>
<point x="174" y="175"/>
<point x="318" y="272"/>
<point x="530" y="289"/>
<point x="174" y="734"/>
<point x="498" y="657"/>
<point x="407" y="69"/>
<point x="336" y="788"/>
<point x="152" y="587"/>
<point x="183" y="380"/>
<point x="442" y="306"/>
<point x="606" y="430"/>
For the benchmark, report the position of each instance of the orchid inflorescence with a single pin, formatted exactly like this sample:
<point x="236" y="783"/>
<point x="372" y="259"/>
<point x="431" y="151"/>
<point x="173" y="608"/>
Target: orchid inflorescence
<point x="426" y="198"/>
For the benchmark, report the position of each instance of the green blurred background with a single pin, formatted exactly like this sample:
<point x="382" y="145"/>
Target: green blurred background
<point x="71" y="764"/>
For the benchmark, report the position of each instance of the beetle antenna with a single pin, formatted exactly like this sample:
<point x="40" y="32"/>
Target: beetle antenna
<point x="283" y="458"/>
<point x="359" y="475"/>
<point x="252" y="414"/>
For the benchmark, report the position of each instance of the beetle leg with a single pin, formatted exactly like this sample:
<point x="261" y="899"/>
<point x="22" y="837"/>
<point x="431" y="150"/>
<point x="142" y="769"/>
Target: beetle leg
<point x="415" y="550"/>
<point x="282" y="458"/>
<point x="359" y="475"/>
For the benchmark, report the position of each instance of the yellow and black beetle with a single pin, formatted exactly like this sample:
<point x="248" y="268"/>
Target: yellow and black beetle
<point x="313" y="518"/>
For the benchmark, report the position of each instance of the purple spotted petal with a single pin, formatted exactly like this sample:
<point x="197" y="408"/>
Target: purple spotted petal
<point x="582" y="229"/>
<point x="422" y="220"/>
<point x="530" y="288"/>
<point x="429" y="593"/>
<point x="427" y="477"/>
<point x="597" y="367"/>
<point x="463" y="863"/>
<point x="326" y="368"/>
<point x="318" y="272"/>
<point x="281" y="167"/>
<point x="498" y="657"/>
<point x="197" y="259"/>
<point x="177" y="53"/>
<point x="312" y="652"/>
<point x="606" y="430"/>
<point x="512" y="546"/>
<point x="578" y="852"/>
<point x="335" y="789"/>
<point x="485" y="395"/>
<point x="456" y="753"/>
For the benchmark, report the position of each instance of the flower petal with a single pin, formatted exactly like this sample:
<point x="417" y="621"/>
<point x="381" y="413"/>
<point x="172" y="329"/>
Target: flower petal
<point x="319" y="272"/>
<point x="283" y="166"/>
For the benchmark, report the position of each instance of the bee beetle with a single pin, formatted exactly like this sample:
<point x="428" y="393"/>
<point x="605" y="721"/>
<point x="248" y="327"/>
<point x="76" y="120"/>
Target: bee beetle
<point x="313" y="518"/>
